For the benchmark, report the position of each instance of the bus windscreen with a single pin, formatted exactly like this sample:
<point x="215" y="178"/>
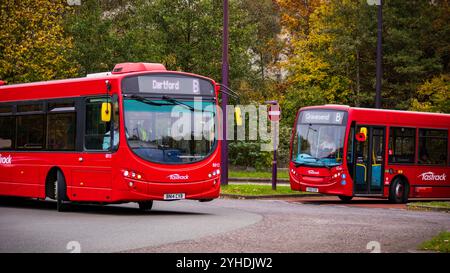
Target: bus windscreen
<point x="319" y="138"/>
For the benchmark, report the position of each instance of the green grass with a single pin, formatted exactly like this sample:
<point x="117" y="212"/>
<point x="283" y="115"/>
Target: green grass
<point x="256" y="190"/>
<point x="256" y="174"/>
<point x="434" y="204"/>
<point x="440" y="243"/>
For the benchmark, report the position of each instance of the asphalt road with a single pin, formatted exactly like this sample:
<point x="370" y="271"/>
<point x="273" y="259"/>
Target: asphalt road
<point x="36" y="226"/>
<point x="218" y="226"/>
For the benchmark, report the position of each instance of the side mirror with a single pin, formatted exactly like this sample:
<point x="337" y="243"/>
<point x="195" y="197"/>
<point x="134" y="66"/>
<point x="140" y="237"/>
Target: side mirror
<point x="106" y="111"/>
<point x="237" y="112"/>
<point x="362" y="135"/>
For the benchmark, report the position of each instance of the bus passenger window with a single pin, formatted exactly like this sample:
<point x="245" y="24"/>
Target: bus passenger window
<point x="433" y="147"/>
<point x="7" y="132"/>
<point x="402" y="145"/>
<point x="116" y="124"/>
<point x="30" y="132"/>
<point x="61" y="131"/>
<point x="115" y="121"/>
<point x="96" y="129"/>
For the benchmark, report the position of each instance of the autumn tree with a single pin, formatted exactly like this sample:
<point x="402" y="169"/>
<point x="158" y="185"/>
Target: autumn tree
<point x="334" y="52"/>
<point x="33" y="44"/>
<point x="433" y="95"/>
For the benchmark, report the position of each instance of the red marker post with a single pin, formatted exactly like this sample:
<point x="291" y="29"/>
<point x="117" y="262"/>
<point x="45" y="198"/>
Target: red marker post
<point x="274" y="116"/>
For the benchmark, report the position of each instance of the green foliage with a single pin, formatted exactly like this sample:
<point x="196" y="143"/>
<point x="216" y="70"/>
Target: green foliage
<point x="33" y="44"/>
<point x="433" y="96"/>
<point x="333" y="49"/>
<point x="183" y="35"/>
<point x="440" y="243"/>
<point x="249" y="154"/>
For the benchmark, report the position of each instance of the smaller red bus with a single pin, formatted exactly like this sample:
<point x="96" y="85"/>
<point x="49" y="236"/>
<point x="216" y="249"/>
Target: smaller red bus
<point x="347" y="151"/>
<point x="137" y="134"/>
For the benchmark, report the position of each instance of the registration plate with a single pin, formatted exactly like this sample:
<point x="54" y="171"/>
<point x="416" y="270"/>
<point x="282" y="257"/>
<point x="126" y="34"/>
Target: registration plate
<point x="174" y="196"/>
<point x="309" y="189"/>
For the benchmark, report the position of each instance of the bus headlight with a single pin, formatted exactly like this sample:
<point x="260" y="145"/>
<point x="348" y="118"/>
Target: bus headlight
<point x="132" y="174"/>
<point x="214" y="173"/>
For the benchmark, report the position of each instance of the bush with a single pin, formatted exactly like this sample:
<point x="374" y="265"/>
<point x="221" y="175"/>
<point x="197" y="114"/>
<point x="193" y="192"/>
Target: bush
<point x="249" y="154"/>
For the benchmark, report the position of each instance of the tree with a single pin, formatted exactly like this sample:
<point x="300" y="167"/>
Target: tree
<point x="182" y="34"/>
<point x="33" y="44"/>
<point x="332" y="56"/>
<point x="433" y="95"/>
<point x="410" y="54"/>
<point x="329" y="61"/>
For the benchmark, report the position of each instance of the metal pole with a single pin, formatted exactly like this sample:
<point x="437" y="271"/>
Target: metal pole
<point x="274" y="163"/>
<point x="379" y="56"/>
<point x="225" y="67"/>
<point x="274" y="139"/>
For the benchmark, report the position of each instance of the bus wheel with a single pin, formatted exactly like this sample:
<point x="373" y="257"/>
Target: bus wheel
<point x="399" y="191"/>
<point x="345" y="198"/>
<point x="145" y="205"/>
<point x="60" y="191"/>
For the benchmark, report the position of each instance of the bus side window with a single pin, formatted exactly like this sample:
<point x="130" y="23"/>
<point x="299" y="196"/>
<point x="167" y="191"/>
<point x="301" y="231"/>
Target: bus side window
<point x="7" y="132"/>
<point x="433" y="147"/>
<point x="351" y="138"/>
<point x="116" y="122"/>
<point x="61" y="126"/>
<point x="97" y="133"/>
<point x="402" y="145"/>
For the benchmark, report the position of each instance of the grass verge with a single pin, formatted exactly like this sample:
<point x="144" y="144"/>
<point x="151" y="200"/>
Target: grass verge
<point x="256" y="190"/>
<point x="440" y="243"/>
<point x="436" y="205"/>
<point x="284" y="174"/>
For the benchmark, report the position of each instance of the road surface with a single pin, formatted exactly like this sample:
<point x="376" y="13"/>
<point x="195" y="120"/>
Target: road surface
<point x="219" y="226"/>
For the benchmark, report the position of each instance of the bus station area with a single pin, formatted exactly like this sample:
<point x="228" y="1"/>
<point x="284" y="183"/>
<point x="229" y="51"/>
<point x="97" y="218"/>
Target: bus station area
<point x="229" y="127"/>
<point x="221" y="226"/>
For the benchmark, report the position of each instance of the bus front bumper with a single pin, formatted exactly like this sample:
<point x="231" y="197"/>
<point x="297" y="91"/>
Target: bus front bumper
<point x="143" y="190"/>
<point x="331" y="187"/>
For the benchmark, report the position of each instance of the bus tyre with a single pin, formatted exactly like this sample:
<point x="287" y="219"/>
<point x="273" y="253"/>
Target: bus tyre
<point x="60" y="191"/>
<point x="399" y="191"/>
<point x="145" y="205"/>
<point x="345" y="198"/>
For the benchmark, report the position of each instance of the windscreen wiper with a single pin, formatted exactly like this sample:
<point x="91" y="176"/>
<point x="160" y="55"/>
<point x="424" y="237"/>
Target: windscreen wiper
<point x="145" y="100"/>
<point x="175" y="101"/>
<point x="172" y="100"/>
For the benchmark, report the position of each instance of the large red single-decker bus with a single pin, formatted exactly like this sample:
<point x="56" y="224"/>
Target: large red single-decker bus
<point x="112" y="137"/>
<point x="347" y="151"/>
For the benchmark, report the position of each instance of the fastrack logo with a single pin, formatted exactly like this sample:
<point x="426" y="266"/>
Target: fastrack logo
<point x="176" y="176"/>
<point x="5" y="160"/>
<point x="312" y="172"/>
<point x="430" y="176"/>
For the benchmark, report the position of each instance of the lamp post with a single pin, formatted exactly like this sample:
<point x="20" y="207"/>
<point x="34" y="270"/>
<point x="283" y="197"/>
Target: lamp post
<point x="379" y="75"/>
<point x="379" y="54"/>
<point x="225" y="67"/>
<point x="274" y="116"/>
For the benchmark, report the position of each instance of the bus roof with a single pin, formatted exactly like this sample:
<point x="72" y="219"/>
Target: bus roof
<point x="92" y="84"/>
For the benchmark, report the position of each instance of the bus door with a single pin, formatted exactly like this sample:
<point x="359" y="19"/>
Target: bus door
<point x="92" y="178"/>
<point x="369" y="158"/>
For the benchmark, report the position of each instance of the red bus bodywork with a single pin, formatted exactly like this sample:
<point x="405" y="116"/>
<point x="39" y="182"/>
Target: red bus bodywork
<point x="339" y="180"/>
<point x="99" y="176"/>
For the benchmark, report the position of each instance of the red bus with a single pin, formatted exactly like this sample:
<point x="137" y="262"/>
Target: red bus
<point x="109" y="137"/>
<point x="347" y="151"/>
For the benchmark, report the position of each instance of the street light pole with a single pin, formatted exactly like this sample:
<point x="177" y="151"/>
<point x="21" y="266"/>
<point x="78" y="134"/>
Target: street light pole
<point x="225" y="67"/>
<point x="379" y="54"/>
<point x="274" y="116"/>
